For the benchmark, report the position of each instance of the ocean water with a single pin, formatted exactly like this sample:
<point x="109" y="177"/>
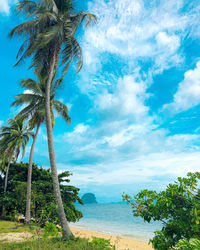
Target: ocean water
<point x="115" y="219"/>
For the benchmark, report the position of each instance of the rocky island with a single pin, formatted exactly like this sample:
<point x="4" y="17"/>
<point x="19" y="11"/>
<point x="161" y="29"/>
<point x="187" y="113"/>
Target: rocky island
<point x="89" y="198"/>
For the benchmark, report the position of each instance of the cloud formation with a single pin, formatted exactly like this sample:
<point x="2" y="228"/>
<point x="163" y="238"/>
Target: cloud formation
<point x="188" y="92"/>
<point x="127" y="98"/>
<point x="135" y="30"/>
<point x="5" y="6"/>
<point x="123" y="144"/>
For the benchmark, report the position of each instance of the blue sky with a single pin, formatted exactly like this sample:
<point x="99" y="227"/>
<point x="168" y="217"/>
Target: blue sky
<point x="135" y="104"/>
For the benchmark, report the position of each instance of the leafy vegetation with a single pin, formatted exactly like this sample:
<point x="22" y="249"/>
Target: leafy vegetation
<point x="13" y="140"/>
<point x="192" y="244"/>
<point x="177" y="207"/>
<point x="49" y="238"/>
<point x="57" y="243"/>
<point x="43" y="201"/>
<point x="100" y="243"/>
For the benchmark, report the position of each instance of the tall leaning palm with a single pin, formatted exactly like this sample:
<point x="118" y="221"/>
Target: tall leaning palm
<point x="50" y="35"/>
<point x="13" y="140"/>
<point x="34" y="111"/>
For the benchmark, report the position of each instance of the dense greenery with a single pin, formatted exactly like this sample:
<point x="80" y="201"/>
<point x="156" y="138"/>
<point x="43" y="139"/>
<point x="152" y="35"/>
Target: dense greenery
<point x="13" y="140"/>
<point x="43" y="201"/>
<point x="192" y="244"/>
<point x="177" y="207"/>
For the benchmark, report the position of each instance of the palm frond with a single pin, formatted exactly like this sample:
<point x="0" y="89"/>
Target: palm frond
<point x="62" y="110"/>
<point x="24" y="29"/>
<point x="26" y="98"/>
<point x="32" y="85"/>
<point x="27" y="6"/>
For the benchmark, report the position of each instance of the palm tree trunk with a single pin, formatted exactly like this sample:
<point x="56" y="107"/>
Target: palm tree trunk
<point x="56" y="187"/>
<point x="29" y="178"/>
<point x="6" y="182"/>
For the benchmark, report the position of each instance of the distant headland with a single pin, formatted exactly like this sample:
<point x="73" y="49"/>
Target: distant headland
<point x="89" y="198"/>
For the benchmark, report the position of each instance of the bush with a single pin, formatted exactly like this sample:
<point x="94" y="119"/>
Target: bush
<point x="101" y="244"/>
<point x="178" y="208"/>
<point x="43" y="207"/>
<point x="192" y="244"/>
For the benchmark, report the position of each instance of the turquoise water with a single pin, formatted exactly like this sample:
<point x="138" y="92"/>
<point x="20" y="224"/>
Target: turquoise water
<point x="115" y="219"/>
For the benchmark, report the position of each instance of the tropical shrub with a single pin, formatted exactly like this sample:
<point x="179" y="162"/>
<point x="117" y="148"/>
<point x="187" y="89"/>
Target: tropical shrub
<point x="192" y="244"/>
<point x="177" y="207"/>
<point x="43" y="204"/>
<point x="101" y="244"/>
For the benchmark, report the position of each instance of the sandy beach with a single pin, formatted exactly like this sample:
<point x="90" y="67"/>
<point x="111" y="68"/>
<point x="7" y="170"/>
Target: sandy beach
<point x="121" y="243"/>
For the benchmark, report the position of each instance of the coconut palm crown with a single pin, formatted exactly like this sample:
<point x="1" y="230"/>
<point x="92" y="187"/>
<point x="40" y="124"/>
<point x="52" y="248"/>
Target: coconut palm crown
<point x="15" y="137"/>
<point x="34" y="100"/>
<point x="51" y="26"/>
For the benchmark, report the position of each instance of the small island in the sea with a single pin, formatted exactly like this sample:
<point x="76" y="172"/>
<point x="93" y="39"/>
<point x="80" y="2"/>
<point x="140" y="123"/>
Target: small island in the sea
<point x="89" y="198"/>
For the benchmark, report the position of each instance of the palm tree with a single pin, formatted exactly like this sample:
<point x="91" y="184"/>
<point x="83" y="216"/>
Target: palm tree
<point x="35" y="112"/>
<point x="3" y="159"/>
<point x="13" y="139"/>
<point x="50" y="35"/>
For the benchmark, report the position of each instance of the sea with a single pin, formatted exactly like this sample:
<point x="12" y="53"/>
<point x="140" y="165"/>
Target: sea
<point x="115" y="219"/>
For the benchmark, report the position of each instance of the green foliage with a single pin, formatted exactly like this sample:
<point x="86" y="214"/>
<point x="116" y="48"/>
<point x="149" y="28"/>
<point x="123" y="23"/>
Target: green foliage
<point x="192" y="244"/>
<point x="54" y="243"/>
<point x="43" y="202"/>
<point x="50" y="229"/>
<point x="101" y="244"/>
<point x="177" y="207"/>
<point x="50" y="25"/>
<point x="14" y="137"/>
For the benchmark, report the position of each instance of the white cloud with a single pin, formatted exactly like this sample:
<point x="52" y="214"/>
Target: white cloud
<point x="132" y="33"/>
<point x="126" y="99"/>
<point x="134" y="30"/>
<point x="172" y="43"/>
<point x="188" y="92"/>
<point x="153" y="171"/>
<point x="76" y="136"/>
<point x="80" y="129"/>
<point x="131" y="43"/>
<point x="1" y="123"/>
<point x="28" y="91"/>
<point x="4" y="6"/>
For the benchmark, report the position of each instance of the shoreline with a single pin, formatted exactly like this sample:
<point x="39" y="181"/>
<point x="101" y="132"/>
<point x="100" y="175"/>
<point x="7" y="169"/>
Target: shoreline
<point x="106" y="232"/>
<point x="120" y="242"/>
